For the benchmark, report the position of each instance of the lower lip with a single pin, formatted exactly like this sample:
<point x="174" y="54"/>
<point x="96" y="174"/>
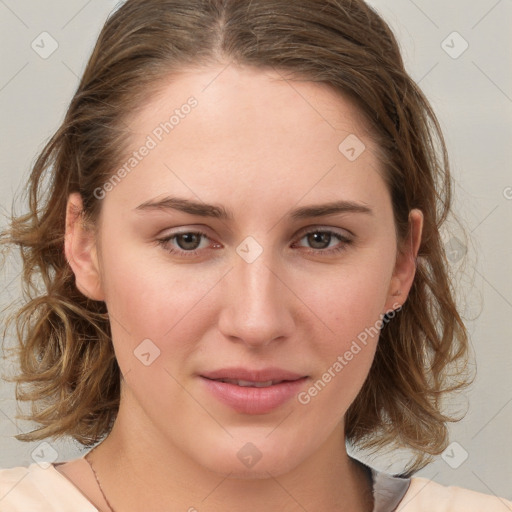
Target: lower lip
<point x="252" y="400"/>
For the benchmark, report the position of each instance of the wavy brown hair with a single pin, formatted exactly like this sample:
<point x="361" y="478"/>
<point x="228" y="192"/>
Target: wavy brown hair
<point x="68" y="370"/>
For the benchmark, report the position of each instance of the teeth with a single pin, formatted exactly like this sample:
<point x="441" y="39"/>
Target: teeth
<point x="254" y="384"/>
<point x="248" y="383"/>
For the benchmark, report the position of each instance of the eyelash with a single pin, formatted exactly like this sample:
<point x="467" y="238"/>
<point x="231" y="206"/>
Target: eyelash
<point x="324" y="252"/>
<point x="345" y="241"/>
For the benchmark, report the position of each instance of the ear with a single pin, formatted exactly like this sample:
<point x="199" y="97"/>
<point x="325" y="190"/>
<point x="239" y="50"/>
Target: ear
<point x="81" y="251"/>
<point x="405" y="265"/>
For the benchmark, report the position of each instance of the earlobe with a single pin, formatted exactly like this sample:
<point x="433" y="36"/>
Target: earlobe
<point x="81" y="251"/>
<point x="405" y="266"/>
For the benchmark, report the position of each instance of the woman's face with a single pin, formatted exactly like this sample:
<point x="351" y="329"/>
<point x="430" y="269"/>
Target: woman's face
<point x="279" y="261"/>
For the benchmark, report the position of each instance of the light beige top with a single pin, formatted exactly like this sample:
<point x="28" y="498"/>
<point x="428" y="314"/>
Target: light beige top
<point x="39" y="489"/>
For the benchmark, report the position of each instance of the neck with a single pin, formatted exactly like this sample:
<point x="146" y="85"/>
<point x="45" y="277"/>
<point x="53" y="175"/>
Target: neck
<point x="152" y="473"/>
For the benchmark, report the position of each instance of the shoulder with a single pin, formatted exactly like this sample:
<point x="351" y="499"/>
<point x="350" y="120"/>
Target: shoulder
<point x="416" y="494"/>
<point x="39" y="489"/>
<point x="425" y="495"/>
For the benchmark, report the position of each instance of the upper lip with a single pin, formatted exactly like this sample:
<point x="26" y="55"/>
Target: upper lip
<point x="262" y="375"/>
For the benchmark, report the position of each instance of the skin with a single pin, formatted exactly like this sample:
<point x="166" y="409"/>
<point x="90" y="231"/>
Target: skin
<point x="260" y="147"/>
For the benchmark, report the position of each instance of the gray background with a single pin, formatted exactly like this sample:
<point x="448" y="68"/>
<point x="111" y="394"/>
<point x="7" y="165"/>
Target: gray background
<point x="472" y="95"/>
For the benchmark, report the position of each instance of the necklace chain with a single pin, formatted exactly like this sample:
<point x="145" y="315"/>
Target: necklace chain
<point x="86" y="457"/>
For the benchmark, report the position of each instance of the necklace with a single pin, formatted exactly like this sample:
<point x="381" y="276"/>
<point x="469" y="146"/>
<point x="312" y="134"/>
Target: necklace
<point x="103" y="493"/>
<point x="98" y="480"/>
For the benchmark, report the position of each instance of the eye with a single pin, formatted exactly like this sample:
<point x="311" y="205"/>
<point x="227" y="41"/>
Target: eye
<point x="321" y="241"/>
<point x="191" y="243"/>
<point x="186" y="243"/>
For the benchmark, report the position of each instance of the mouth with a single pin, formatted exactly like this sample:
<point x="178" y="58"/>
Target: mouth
<point x="266" y="376"/>
<point x="251" y="384"/>
<point x="252" y="391"/>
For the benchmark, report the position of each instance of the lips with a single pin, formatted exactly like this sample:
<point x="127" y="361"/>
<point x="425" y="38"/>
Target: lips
<point x="253" y="391"/>
<point x="248" y="383"/>
<point x="265" y="375"/>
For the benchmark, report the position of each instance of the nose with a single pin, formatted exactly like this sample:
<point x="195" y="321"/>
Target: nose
<point x="257" y="306"/>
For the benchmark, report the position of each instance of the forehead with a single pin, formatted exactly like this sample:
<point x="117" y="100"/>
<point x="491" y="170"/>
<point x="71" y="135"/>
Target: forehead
<point x="228" y="95"/>
<point x="248" y="132"/>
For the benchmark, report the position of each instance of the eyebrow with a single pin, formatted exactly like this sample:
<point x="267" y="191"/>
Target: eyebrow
<point x="219" y="212"/>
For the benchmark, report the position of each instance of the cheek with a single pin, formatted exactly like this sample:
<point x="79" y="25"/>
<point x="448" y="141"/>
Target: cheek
<point x="349" y="299"/>
<point x="344" y="354"/>
<point x="345" y="321"/>
<point x="148" y="299"/>
<point x="140" y="282"/>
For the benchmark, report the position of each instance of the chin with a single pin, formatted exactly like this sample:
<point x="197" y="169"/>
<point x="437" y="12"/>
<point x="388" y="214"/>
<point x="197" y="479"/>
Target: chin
<point x="246" y="460"/>
<point x="271" y="467"/>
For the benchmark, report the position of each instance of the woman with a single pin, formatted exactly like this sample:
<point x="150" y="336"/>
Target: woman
<point x="243" y="269"/>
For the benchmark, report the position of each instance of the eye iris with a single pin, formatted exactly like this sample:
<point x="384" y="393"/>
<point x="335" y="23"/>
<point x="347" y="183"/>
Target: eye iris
<point x="319" y="240"/>
<point x="188" y="241"/>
